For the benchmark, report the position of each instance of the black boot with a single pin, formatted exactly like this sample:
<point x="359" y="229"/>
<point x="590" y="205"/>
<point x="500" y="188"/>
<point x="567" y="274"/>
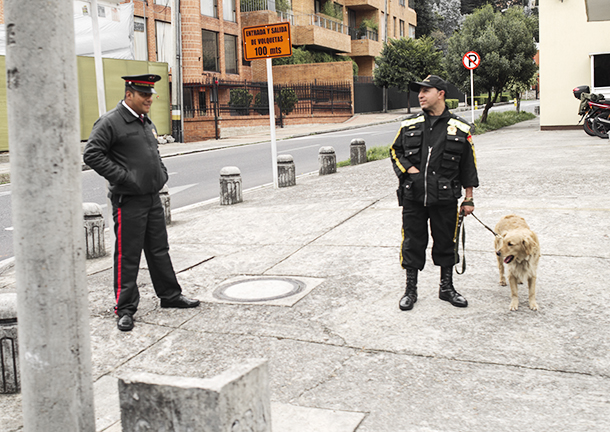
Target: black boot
<point x="410" y="297"/>
<point x="447" y="292"/>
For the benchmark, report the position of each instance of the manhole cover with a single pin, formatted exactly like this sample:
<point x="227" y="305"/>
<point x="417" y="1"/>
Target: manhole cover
<point x="259" y="289"/>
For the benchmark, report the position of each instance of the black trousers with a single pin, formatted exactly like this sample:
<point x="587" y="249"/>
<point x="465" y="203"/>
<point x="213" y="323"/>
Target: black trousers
<point x="443" y="226"/>
<point x="139" y="224"/>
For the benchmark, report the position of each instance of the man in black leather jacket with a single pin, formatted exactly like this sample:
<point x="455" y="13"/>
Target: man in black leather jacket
<point x="433" y="157"/>
<point x="122" y="148"/>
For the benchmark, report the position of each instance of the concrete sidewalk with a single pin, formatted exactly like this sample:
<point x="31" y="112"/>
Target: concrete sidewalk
<point x="342" y="356"/>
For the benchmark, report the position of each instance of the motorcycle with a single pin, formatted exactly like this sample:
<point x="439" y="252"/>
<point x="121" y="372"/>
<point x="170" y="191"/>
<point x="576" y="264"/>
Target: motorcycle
<point x="594" y="110"/>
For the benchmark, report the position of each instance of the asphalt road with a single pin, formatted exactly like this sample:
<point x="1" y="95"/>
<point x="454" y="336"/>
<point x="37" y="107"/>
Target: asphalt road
<point x="194" y="177"/>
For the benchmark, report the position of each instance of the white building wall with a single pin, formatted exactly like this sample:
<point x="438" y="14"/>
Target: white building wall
<point x="566" y="40"/>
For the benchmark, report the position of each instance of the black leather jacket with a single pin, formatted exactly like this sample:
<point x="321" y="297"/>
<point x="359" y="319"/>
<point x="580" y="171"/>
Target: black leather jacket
<point x="442" y="149"/>
<point x="125" y="152"/>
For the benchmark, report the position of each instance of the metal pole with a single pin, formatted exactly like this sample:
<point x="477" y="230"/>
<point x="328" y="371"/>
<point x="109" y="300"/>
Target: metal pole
<point x="272" y="122"/>
<point x="176" y="75"/>
<point x="53" y="314"/>
<point x="472" y="94"/>
<point x="97" y="56"/>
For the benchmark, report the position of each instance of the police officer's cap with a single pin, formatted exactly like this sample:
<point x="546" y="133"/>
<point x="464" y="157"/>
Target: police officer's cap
<point x="142" y="83"/>
<point x="433" y="81"/>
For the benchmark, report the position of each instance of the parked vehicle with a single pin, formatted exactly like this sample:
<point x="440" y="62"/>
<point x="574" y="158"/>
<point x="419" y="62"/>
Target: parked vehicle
<point x="593" y="107"/>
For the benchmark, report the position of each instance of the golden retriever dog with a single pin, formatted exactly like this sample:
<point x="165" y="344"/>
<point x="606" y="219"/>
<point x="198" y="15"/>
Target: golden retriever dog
<point x="517" y="246"/>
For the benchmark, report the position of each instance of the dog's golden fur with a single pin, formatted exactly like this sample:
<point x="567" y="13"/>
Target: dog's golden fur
<point x="517" y="246"/>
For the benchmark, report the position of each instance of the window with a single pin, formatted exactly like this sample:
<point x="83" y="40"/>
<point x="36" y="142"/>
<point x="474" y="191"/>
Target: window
<point x="166" y="3"/>
<point x="203" y="109"/>
<point x="228" y="10"/>
<point x="402" y="28"/>
<point x="600" y="65"/>
<point x="188" y="108"/>
<point x="209" y="8"/>
<point x="401" y="3"/>
<point x="164" y="42"/>
<point x="411" y="31"/>
<point x="140" y="46"/>
<point x="395" y="27"/>
<point x="210" y="51"/>
<point x="231" y="54"/>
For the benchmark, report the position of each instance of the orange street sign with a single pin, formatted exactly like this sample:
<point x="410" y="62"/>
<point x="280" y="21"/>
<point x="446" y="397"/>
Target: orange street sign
<point x="267" y="41"/>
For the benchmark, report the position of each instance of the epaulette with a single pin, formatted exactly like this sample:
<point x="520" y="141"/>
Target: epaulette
<point x="460" y="123"/>
<point x="413" y="119"/>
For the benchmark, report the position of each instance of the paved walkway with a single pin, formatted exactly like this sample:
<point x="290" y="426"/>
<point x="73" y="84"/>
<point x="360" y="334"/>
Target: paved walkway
<point x="342" y="356"/>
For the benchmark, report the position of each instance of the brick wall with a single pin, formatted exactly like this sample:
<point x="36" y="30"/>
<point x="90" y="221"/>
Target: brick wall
<point x="310" y="72"/>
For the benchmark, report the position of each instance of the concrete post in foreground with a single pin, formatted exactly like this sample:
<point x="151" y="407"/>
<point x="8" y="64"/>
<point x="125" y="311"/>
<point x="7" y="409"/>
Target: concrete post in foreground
<point x="230" y="186"/>
<point x="94" y="230"/>
<point x="166" y="202"/>
<point x="286" y="171"/>
<point x="327" y="160"/>
<point x="357" y="151"/>
<point x="9" y="346"/>
<point x="52" y="308"/>
<point x="236" y="400"/>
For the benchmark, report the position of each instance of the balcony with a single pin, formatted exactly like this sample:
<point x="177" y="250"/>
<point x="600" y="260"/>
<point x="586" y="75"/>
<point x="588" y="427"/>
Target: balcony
<point x="366" y="47"/>
<point x="363" y="5"/>
<point x="321" y="32"/>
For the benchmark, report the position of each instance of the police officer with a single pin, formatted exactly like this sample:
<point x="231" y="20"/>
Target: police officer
<point x="434" y="159"/>
<point x="123" y="149"/>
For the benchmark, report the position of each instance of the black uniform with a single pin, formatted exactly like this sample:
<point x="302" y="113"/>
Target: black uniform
<point x="441" y="148"/>
<point x="123" y="149"/>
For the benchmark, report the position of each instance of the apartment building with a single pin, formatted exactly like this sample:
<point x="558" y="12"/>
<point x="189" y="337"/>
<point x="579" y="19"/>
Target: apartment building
<point x="356" y="28"/>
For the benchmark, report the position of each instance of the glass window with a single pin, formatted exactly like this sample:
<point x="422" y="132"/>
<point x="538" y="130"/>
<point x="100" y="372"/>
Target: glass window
<point x="228" y="10"/>
<point x="210" y="51"/>
<point x="601" y="70"/>
<point x="167" y="3"/>
<point x="164" y="42"/>
<point x="209" y="8"/>
<point x="231" y="54"/>
<point x="140" y="45"/>
<point x="402" y="28"/>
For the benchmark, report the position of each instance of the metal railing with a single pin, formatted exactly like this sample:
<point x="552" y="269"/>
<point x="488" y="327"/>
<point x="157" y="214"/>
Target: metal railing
<point x="368" y="34"/>
<point x="256" y="5"/>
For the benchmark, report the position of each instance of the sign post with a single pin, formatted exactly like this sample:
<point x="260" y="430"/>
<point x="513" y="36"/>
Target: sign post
<point x="471" y="61"/>
<point x="267" y="42"/>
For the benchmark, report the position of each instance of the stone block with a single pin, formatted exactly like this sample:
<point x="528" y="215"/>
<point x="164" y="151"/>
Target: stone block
<point x="10" y="381"/>
<point x="166" y="202"/>
<point x="94" y="230"/>
<point x="230" y="186"/>
<point x="357" y="152"/>
<point x="236" y="400"/>
<point x="286" y="172"/>
<point x="327" y="160"/>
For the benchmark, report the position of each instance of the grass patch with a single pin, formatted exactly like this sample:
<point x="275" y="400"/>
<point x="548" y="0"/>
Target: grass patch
<point x="372" y="154"/>
<point x="497" y="120"/>
<point x="5" y="178"/>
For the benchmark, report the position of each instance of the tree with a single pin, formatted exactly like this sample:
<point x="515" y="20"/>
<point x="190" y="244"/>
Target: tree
<point x="449" y="17"/>
<point x="406" y="60"/>
<point x="426" y="20"/>
<point x="506" y="45"/>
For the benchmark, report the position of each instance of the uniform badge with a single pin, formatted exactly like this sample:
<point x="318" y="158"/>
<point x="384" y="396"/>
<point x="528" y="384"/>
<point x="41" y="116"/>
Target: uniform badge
<point x="451" y="130"/>
<point x="154" y="132"/>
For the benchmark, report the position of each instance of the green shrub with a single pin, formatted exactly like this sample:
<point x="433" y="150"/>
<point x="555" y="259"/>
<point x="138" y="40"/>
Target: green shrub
<point x="333" y="10"/>
<point x="452" y="103"/>
<point x="240" y="99"/>
<point x="497" y="120"/>
<point x="372" y="154"/>
<point x="287" y="100"/>
<point x="261" y="102"/>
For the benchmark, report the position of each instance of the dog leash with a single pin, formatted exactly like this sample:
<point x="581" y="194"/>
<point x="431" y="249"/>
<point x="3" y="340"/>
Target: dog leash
<point x="461" y="227"/>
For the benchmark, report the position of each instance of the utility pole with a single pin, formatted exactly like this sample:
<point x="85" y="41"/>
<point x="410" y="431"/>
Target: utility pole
<point x="52" y="308"/>
<point x="177" y="73"/>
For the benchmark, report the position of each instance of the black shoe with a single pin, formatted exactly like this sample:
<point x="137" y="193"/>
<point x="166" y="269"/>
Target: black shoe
<point x="125" y="323"/>
<point x="447" y="292"/>
<point x="408" y="300"/>
<point x="180" y="302"/>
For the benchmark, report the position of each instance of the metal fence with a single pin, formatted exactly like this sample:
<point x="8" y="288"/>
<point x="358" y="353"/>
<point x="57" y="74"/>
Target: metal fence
<point x="251" y="98"/>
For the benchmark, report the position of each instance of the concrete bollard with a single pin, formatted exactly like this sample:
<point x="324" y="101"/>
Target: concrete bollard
<point x="230" y="186"/>
<point x="165" y="201"/>
<point x="357" y="151"/>
<point x="10" y="381"/>
<point x="286" y="171"/>
<point x="236" y="400"/>
<point x="94" y="230"/>
<point x="327" y="160"/>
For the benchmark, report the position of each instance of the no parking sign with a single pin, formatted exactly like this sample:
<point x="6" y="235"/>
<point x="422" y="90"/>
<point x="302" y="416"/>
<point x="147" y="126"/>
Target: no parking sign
<point x="471" y="61"/>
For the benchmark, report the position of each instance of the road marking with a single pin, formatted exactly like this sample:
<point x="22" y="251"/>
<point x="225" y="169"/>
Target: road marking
<point x="178" y="189"/>
<point x="4" y="193"/>
<point x="8" y="229"/>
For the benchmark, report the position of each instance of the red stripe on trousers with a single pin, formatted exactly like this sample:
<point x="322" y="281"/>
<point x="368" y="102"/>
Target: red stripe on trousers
<point x="120" y="256"/>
